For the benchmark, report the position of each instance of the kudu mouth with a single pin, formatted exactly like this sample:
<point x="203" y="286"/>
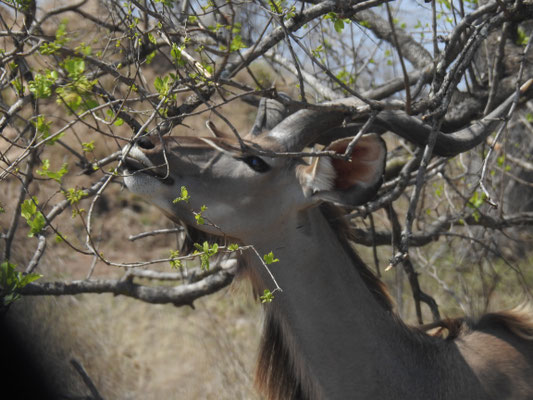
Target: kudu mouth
<point x="134" y="166"/>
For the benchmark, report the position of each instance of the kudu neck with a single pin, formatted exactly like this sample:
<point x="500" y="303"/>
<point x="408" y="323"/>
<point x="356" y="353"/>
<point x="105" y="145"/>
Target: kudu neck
<point x="343" y="342"/>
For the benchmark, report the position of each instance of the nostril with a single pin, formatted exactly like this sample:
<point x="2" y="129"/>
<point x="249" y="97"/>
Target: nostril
<point x="144" y="142"/>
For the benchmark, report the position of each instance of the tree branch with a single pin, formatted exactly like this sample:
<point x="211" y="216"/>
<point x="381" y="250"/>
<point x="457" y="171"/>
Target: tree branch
<point x="182" y="295"/>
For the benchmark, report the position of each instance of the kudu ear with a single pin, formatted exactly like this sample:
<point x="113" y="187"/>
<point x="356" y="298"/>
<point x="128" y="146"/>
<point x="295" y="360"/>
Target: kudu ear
<point x="349" y="183"/>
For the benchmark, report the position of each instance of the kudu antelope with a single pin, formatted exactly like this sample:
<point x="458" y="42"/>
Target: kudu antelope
<point x="331" y="333"/>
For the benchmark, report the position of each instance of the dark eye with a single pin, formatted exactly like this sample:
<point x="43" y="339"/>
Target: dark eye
<point x="256" y="163"/>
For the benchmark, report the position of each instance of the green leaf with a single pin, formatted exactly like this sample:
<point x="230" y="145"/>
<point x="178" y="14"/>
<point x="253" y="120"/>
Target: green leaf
<point x="7" y="275"/>
<point x="200" y="220"/>
<point x="118" y="122"/>
<point x="199" y="247"/>
<point x="74" y="195"/>
<point x="34" y="218"/>
<point x="37" y="224"/>
<point x="74" y="67"/>
<point x="88" y="146"/>
<point x="207" y="252"/>
<point x="151" y="38"/>
<point x="233" y="247"/>
<point x="175" y="53"/>
<point x="28" y="278"/>
<point x="12" y="280"/>
<point x="86" y="50"/>
<point x="69" y="97"/>
<point x="339" y="25"/>
<point x="521" y="37"/>
<point x="276" y="6"/>
<point x="19" y="87"/>
<point x="29" y="207"/>
<point x="237" y="43"/>
<point x="61" y="39"/>
<point x="57" y="175"/>
<point x="149" y="58"/>
<point x="41" y="85"/>
<point x="267" y="296"/>
<point x="475" y="202"/>
<point x="269" y="258"/>
<point x="184" y="196"/>
<point x="43" y="127"/>
<point x="176" y="264"/>
<point x="439" y="189"/>
<point x="162" y="85"/>
<point x="316" y="52"/>
<point x="204" y="259"/>
<point x="78" y="92"/>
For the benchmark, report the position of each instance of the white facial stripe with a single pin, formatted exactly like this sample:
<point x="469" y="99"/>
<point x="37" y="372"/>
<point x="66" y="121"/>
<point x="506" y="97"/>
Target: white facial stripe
<point x="215" y="146"/>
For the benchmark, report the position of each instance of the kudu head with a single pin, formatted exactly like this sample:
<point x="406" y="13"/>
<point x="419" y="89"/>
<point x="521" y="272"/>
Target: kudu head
<point x="247" y="189"/>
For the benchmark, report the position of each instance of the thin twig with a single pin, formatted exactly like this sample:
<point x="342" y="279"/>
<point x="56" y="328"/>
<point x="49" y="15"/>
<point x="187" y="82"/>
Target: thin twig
<point x="418" y="294"/>
<point x="497" y="68"/>
<point x="39" y="251"/>
<point x="504" y="125"/>
<point x="413" y="201"/>
<point x="400" y="56"/>
<point x="155" y="232"/>
<point x="28" y="177"/>
<point x="86" y="379"/>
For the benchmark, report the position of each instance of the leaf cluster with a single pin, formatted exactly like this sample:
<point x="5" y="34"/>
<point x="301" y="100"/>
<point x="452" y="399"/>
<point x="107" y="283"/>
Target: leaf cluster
<point x="34" y="218"/>
<point x="11" y="281"/>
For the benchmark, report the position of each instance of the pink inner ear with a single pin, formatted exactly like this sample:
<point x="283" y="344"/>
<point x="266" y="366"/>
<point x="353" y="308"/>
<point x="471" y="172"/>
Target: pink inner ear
<point x="363" y="168"/>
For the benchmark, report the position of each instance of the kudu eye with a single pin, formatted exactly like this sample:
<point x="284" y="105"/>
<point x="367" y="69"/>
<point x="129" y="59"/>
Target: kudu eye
<point x="256" y="163"/>
<point x="145" y="143"/>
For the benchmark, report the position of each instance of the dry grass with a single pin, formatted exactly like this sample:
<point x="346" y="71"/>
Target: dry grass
<point x="134" y="350"/>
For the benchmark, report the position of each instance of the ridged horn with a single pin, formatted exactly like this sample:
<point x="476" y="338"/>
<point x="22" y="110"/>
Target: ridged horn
<point x="305" y="127"/>
<point x="270" y="112"/>
<point x="309" y="126"/>
<point x="447" y="144"/>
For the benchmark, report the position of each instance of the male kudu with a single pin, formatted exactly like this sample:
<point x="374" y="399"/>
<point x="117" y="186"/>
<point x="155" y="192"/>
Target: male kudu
<point x="331" y="333"/>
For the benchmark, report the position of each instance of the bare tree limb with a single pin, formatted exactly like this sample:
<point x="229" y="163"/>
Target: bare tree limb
<point x="182" y="295"/>
<point x="443" y="225"/>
